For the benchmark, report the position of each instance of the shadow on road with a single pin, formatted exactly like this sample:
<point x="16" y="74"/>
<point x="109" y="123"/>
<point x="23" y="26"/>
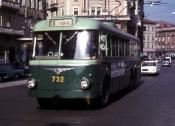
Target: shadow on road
<point x="80" y="104"/>
<point x="119" y="95"/>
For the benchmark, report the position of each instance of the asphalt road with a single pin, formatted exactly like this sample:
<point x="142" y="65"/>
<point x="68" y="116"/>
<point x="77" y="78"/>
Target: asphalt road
<point x="150" y="104"/>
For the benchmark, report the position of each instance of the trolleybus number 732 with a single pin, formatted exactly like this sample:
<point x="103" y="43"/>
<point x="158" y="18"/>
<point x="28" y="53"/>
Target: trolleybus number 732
<point x="57" y="79"/>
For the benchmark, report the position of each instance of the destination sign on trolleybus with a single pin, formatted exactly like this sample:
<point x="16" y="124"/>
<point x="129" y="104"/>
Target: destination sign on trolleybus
<point x="60" y="22"/>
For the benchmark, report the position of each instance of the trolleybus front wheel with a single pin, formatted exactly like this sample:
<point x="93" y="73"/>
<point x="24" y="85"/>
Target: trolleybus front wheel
<point x="104" y="98"/>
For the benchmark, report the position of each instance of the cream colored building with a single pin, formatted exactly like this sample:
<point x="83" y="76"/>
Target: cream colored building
<point x="166" y="41"/>
<point x="159" y="39"/>
<point x="87" y="7"/>
<point x="127" y="14"/>
<point x="150" y="39"/>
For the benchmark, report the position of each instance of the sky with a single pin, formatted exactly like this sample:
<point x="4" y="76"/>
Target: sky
<point x="162" y="11"/>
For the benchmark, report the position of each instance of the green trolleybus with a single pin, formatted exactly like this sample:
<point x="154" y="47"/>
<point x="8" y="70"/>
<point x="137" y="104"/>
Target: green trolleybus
<point x="81" y="58"/>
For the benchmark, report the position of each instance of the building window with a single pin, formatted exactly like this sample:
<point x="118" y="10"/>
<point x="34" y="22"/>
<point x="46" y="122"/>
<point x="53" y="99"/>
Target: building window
<point x="40" y="5"/>
<point x="75" y="11"/>
<point x="18" y="1"/>
<point x="32" y="3"/>
<point x="98" y="10"/>
<point x="62" y="12"/>
<point x="22" y="22"/>
<point x="147" y="28"/>
<point x="23" y="2"/>
<point x="93" y="11"/>
<point x="36" y="4"/>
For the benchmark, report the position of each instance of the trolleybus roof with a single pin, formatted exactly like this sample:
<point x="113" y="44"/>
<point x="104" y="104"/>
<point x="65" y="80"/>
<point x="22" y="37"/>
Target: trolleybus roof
<point x="64" y="23"/>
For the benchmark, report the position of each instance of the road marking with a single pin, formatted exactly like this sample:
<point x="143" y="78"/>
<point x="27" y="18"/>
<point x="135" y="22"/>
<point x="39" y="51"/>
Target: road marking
<point x="13" y="83"/>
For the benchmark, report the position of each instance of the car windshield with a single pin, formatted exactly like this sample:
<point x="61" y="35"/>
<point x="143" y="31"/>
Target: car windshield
<point x="149" y="64"/>
<point x="66" y="45"/>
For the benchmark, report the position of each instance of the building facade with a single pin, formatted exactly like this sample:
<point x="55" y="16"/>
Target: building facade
<point x="159" y="39"/>
<point x="150" y="40"/>
<point x="127" y="14"/>
<point x="166" y="41"/>
<point x="17" y="18"/>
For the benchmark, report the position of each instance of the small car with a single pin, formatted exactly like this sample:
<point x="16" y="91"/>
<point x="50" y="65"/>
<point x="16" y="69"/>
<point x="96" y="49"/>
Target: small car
<point x="166" y="62"/>
<point x="8" y="71"/>
<point x="169" y="58"/>
<point x="150" y="67"/>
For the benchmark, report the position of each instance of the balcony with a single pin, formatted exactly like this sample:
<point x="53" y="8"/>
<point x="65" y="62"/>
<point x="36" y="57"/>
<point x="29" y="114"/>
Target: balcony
<point x="11" y="31"/>
<point x="10" y="5"/>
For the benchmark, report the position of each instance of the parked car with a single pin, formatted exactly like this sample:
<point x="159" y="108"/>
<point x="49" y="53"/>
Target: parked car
<point x="150" y="67"/>
<point x="8" y="70"/>
<point x="166" y="62"/>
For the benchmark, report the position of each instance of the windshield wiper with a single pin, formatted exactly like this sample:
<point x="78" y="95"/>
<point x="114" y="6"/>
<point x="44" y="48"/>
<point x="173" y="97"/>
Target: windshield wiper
<point x="70" y="38"/>
<point x="50" y="38"/>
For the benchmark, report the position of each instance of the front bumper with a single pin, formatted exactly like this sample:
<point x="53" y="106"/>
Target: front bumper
<point x="64" y="94"/>
<point x="149" y="72"/>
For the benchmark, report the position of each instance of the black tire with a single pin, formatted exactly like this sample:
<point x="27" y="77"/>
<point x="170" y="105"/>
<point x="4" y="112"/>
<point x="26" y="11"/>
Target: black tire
<point x="16" y="76"/>
<point x="131" y="83"/>
<point x="104" y="98"/>
<point x="132" y="79"/>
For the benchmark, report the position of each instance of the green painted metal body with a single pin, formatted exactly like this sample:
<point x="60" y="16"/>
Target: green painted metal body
<point x="61" y="78"/>
<point x="72" y="72"/>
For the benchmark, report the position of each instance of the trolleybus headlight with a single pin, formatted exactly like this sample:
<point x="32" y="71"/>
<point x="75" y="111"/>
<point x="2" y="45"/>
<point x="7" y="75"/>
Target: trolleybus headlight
<point x="84" y="84"/>
<point x="31" y="83"/>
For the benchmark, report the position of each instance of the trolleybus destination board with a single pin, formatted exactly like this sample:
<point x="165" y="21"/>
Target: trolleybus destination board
<point x="60" y="22"/>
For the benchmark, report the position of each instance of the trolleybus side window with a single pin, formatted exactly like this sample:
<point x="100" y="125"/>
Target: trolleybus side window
<point x="94" y="45"/>
<point x="121" y="47"/>
<point x="109" y="39"/>
<point x="127" y="48"/>
<point x="113" y="46"/>
<point x="117" y="47"/>
<point x="131" y="48"/>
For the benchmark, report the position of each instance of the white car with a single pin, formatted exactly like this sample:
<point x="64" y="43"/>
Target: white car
<point x="150" y="67"/>
<point x="166" y="62"/>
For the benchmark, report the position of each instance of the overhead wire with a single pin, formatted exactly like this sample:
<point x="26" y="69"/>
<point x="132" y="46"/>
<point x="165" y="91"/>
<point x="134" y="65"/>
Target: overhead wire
<point x="164" y="6"/>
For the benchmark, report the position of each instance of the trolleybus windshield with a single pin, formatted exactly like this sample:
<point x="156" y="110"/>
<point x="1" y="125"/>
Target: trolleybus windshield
<point x="66" y="45"/>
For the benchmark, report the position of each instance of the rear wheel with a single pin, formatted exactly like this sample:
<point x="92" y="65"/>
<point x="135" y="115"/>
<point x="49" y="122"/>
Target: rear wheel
<point x="132" y="79"/>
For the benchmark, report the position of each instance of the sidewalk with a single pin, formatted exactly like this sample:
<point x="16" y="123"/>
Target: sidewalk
<point x="13" y="83"/>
